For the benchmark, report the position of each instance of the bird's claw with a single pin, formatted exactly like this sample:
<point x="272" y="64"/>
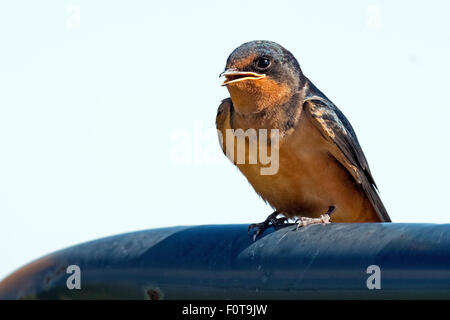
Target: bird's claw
<point x="304" y="221"/>
<point x="271" y="221"/>
<point x="323" y="219"/>
<point x="259" y="228"/>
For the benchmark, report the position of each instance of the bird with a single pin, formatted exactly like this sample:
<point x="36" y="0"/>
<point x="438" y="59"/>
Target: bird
<point x="322" y="174"/>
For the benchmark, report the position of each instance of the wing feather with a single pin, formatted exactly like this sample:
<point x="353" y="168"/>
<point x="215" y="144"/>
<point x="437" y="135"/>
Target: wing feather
<point x="333" y="125"/>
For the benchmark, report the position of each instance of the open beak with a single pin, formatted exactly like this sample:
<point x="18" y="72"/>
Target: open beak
<point x="234" y="75"/>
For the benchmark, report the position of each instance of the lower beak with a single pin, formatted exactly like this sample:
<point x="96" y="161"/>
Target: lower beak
<point x="233" y="76"/>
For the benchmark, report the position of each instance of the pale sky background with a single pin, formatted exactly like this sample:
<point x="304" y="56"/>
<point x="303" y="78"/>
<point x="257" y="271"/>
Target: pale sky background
<point x="107" y="110"/>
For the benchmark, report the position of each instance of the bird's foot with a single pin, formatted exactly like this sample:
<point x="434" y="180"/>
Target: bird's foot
<point x="305" y="221"/>
<point x="323" y="219"/>
<point x="271" y="221"/>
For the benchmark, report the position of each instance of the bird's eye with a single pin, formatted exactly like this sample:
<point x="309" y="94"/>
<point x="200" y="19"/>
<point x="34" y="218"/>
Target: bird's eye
<point x="263" y="63"/>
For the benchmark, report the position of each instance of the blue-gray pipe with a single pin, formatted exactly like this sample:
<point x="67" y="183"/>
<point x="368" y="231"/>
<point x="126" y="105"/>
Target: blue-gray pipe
<point x="222" y="262"/>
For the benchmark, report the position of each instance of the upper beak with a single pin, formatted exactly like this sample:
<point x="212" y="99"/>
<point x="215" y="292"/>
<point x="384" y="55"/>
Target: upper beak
<point x="234" y="75"/>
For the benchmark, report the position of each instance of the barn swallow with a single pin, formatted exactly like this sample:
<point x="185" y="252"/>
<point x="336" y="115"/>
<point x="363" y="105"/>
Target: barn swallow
<point x="322" y="171"/>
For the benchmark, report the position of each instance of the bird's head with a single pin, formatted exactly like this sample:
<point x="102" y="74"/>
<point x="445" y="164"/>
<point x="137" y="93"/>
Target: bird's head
<point x="261" y="75"/>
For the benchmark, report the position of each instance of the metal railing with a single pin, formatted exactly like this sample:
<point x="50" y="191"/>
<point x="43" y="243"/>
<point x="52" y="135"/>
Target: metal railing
<point x="338" y="261"/>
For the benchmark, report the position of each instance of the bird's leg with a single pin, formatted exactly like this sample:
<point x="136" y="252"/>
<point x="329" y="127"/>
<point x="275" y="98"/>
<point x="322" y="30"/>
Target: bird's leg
<point x="324" y="219"/>
<point x="271" y="220"/>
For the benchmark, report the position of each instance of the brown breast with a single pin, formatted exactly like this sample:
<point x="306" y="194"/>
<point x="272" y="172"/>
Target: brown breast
<point x="309" y="179"/>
